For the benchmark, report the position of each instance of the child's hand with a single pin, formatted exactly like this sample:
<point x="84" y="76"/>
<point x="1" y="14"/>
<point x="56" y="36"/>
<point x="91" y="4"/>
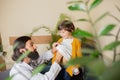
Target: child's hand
<point x="76" y="71"/>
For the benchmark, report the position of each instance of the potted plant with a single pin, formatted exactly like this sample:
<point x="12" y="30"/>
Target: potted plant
<point x="96" y="66"/>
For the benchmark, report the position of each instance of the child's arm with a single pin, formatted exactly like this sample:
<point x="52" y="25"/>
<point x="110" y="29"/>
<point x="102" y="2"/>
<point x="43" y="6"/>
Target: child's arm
<point x="64" y="52"/>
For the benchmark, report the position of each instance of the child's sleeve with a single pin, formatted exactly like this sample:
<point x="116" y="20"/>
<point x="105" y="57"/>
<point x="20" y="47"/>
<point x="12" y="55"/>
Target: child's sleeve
<point x="64" y="51"/>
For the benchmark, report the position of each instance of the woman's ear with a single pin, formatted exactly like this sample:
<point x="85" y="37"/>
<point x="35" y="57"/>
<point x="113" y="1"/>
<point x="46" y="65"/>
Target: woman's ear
<point x="22" y="50"/>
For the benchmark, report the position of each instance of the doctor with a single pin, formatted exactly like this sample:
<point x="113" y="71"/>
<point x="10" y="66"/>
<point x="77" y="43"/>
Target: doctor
<point x="23" y="69"/>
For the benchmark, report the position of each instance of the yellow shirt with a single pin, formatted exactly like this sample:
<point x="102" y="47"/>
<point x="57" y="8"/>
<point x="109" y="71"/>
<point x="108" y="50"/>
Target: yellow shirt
<point x="76" y="52"/>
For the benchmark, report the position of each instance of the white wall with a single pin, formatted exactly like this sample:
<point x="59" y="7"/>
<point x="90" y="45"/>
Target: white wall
<point x="19" y="17"/>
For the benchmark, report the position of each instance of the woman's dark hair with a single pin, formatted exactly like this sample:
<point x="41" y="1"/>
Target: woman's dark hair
<point x="66" y="25"/>
<point x="19" y="43"/>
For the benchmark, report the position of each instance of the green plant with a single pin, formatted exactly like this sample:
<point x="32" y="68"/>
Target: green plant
<point x="86" y="7"/>
<point x="97" y="70"/>
<point x="113" y="45"/>
<point x="54" y="31"/>
<point x="96" y="66"/>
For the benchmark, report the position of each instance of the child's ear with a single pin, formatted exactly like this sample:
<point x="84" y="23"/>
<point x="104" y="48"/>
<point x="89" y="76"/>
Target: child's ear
<point x="22" y="50"/>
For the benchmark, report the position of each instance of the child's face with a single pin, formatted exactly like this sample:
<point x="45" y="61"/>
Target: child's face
<point x="64" y="34"/>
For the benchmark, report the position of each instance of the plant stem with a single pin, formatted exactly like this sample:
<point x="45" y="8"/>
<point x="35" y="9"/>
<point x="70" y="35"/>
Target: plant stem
<point x="115" y="49"/>
<point x="114" y="17"/>
<point x="97" y="44"/>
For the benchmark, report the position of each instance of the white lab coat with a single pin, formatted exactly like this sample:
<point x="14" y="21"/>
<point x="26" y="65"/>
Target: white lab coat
<point x="22" y="71"/>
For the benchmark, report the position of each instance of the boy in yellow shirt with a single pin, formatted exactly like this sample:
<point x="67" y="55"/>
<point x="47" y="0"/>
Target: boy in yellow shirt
<point x="69" y="47"/>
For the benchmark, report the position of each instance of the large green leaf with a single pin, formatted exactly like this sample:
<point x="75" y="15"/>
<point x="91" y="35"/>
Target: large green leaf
<point x="112" y="45"/>
<point x="97" y="67"/>
<point x="81" y="33"/>
<point x="112" y="73"/>
<point x="107" y="29"/>
<point x="95" y="4"/>
<point x="85" y="60"/>
<point x="23" y="56"/>
<point x="101" y="17"/>
<point x="76" y="7"/>
<point x="96" y="54"/>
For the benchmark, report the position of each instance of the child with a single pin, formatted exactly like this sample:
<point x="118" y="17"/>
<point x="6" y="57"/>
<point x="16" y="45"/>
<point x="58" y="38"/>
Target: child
<point x="69" y="47"/>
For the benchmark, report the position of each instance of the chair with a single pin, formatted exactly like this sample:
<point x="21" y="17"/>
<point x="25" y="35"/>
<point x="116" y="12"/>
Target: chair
<point x="4" y="75"/>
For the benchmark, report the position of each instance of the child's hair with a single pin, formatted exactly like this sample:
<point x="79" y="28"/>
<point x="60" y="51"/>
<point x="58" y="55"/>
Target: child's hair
<point x="66" y="25"/>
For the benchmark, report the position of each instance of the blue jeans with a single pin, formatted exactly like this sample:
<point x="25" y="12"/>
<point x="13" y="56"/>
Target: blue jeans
<point x="63" y="75"/>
